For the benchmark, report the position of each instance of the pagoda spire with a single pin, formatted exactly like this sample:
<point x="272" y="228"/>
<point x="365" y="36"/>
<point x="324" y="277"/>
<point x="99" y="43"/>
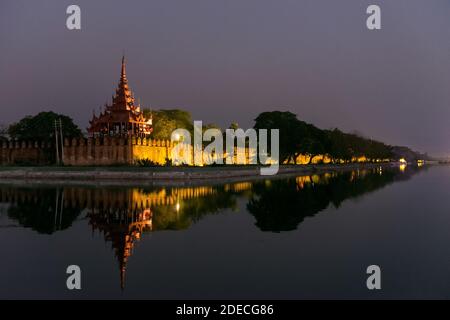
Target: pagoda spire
<point x="123" y="73"/>
<point x="123" y="99"/>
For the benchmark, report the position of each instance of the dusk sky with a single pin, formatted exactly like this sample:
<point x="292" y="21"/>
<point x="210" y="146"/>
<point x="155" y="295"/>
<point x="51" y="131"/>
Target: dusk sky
<point x="229" y="60"/>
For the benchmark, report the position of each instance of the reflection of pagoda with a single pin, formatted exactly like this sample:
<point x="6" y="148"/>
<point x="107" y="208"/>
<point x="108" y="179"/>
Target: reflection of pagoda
<point x="123" y="117"/>
<point x="122" y="228"/>
<point x="123" y="215"/>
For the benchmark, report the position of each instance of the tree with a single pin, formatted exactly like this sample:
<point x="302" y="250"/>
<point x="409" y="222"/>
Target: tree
<point x="3" y="132"/>
<point x="165" y="121"/>
<point x="287" y="123"/>
<point x="210" y="126"/>
<point x="296" y="137"/>
<point x="311" y="141"/>
<point x="163" y="128"/>
<point x="234" y="126"/>
<point x="338" y="147"/>
<point x="42" y="127"/>
<point x="345" y="146"/>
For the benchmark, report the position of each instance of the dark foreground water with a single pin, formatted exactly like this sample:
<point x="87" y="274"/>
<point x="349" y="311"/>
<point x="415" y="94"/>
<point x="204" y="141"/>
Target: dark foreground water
<point x="303" y="237"/>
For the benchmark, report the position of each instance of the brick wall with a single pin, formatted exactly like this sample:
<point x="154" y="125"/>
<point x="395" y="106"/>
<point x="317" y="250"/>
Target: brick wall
<point x="25" y="153"/>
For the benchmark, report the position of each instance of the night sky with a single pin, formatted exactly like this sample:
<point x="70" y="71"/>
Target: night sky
<point x="228" y="60"/>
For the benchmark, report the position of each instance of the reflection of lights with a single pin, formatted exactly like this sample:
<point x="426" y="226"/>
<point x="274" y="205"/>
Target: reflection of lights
<point x="420" y="163"/>
<point x="145" y="219"/>
<point x="402" y="167"/>
<point x="147" y="214"/>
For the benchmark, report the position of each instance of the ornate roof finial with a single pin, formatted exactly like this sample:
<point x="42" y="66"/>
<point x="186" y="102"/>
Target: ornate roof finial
<point x="123" y="74"/>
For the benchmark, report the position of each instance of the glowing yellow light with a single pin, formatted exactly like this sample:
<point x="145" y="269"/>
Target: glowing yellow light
<point x="403" y="161"/>
<point x="402" y="167"/>
<point x="177" y="207"/>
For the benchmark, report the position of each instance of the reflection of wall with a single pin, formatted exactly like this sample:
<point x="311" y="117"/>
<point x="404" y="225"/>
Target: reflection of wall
<point x="238" y="187"/>
<point x="130" y="199"/>
<point x="47" y="210"/>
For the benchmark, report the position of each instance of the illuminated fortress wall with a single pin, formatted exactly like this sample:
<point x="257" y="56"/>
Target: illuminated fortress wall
<point x="114" y="151"/>
<point x="99" y="151"/>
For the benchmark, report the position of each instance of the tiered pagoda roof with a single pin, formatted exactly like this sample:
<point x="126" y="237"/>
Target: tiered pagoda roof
<point x="123" y="116"/>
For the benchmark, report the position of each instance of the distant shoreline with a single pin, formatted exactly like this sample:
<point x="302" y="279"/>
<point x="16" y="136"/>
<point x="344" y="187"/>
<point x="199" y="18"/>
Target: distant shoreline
<point x="122" y="176"/>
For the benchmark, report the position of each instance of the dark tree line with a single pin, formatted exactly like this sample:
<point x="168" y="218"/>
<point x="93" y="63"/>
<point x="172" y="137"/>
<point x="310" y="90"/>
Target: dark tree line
<point x="41" y="127"/>
<point x="300" y="138"/>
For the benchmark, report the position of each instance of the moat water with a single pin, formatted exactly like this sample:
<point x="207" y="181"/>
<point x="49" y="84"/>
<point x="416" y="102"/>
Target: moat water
<point x="300" y="237"/>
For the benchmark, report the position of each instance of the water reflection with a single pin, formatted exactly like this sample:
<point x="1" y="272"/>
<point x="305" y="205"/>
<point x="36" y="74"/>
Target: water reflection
<point x="281" y="205"/>
<point x="123" y="215"/>
<point x="40" y="209"/>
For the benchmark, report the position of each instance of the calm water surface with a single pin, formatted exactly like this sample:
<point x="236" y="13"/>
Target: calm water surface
<point x="300" y="237"/>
